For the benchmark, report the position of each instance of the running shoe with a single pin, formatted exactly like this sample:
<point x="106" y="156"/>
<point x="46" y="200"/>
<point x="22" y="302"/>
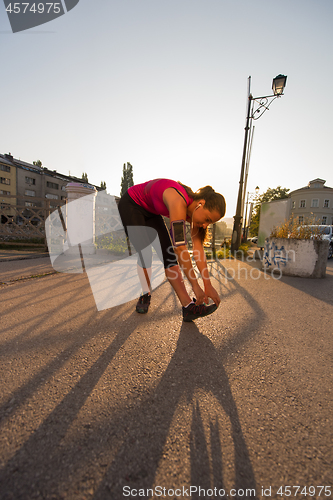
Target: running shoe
<point x="143" y="303"/>
<point x="193" y="311"/>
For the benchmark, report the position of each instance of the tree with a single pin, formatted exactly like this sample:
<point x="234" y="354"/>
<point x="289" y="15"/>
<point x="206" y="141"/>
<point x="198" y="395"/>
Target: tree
<point x="103" y="185"/>
<point x="38" y="163"/>
<point x="278" y="193"/>
<point x="127" y="178"/>
<point x="84" y="177"/>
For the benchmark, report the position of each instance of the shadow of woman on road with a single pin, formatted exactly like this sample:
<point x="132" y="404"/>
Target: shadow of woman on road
<point x="182" y="428"/>
<point x="195" y="381"/>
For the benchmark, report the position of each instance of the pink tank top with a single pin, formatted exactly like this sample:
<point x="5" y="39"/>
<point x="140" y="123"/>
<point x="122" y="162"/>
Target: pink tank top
<point x="149" y="195"/>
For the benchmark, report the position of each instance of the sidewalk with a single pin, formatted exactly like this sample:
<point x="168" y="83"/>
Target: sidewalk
<point x="18" y="264"/>
<point x="9" y="255"/>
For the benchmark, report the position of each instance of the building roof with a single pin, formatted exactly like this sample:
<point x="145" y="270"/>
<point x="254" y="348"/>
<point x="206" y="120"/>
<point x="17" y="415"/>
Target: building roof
<point x="5" y="160"/>
<point x="8" y="159"/>
<point x="310" y="186"/>
<point x="317" y="180"/>
<point x="20" y="163"/>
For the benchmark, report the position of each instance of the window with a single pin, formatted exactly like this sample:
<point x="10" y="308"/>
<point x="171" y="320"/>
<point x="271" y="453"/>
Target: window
<point x="315" y="203"/>
<point x="28" y="204"/>
<point x="4" y="192"/>
<point x="302" y="204"/>
<point x="4" y="180"/>
<point x="324" y="220"/>
<point x="326" y="203"/>
<point x="52" y="185"/>
<point x="30" y="180"/>
<point x="4" y="168"/>
<point x="51" y="196"/>
<point x="293" y="204"/>
<point x="28" y="192"/>
<point x="301" y="219"/>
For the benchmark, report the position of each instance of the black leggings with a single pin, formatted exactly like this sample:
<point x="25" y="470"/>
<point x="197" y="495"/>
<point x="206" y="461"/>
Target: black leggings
<point x="137" y="222"/>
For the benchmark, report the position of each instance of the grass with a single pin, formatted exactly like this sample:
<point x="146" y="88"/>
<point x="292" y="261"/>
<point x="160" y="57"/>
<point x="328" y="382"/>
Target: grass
<point x="112" y="243"/>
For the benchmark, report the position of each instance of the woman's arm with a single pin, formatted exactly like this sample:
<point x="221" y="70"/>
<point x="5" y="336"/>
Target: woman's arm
<point x="200" y="260"/>
<point x="177" y="211"/>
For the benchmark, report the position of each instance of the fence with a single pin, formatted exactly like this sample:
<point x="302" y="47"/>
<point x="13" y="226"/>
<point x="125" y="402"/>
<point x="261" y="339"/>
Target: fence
<point x="23" y="222"/>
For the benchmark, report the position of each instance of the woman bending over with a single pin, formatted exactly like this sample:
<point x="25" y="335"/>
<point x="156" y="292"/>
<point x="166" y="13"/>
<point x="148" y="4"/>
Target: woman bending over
<point x="142" y="207"/>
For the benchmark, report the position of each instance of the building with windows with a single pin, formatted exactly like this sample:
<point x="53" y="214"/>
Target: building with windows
<point x="8" y="186"/>
<point x="34" y="181"/>
<point x="31" y="183"/>
<point x="313" y="201"/>
<point x="24" y="185"/>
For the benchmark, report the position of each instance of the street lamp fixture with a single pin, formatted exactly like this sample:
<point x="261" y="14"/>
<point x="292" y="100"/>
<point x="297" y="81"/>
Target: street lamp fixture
<point x="255" y="109"/>
<point x="279" y="83"/>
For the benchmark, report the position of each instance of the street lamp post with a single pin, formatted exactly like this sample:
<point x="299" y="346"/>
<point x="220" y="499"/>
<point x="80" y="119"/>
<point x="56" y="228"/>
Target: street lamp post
<point x="262" y="104"/>
<point x="250" y="198"/>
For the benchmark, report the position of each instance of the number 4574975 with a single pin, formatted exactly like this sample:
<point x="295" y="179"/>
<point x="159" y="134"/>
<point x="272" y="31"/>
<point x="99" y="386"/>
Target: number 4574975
<point x="36" y="8"/>
<point x="311" y="491"/>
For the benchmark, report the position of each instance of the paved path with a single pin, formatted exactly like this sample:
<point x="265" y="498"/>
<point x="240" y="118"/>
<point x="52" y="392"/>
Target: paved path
<point x="18" y="265"/>
<point x="95" y="402"/>
<point x="17" y="269"/>
<point x="8" y="255"/>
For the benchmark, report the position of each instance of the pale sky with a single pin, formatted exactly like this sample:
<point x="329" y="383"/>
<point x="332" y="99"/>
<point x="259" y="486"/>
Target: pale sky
<point x="162" y="84"/>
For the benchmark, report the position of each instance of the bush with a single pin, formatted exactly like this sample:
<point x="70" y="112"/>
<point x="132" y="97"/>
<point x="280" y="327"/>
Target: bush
<point x="293" y="229"/>
<point x="244" y="247"/>
<point x="116" y="244"/>
<point x="225" y="252"/>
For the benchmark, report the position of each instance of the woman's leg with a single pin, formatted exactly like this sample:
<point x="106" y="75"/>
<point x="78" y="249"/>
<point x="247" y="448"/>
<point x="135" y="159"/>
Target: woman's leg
<point x="175" y="278"/>
<point x="138" y="233"/>
<point x="132" y="215"/>
<point x="145" y="278"/>
<point x="172" y="269"/>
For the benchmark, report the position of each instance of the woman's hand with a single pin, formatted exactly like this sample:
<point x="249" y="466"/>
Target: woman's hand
<point x="212" y="293"/>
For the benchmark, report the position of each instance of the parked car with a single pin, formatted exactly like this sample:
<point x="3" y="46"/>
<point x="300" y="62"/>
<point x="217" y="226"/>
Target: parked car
<point x="254" y="239"/>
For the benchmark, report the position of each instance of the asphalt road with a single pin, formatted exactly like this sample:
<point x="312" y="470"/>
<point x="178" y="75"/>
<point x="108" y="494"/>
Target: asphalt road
<point x="107" y="405"/>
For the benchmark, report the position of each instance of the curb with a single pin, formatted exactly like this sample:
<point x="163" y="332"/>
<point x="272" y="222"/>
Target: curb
<point x="23" y="257"/>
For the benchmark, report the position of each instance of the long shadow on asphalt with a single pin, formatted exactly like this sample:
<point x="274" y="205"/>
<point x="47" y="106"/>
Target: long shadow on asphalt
<point x="195" y="366"/>
<point x="27" y="470"/>
<point x="24" y="343"/>
<point x="318" y="288"/>
<point x="138" y="434"/>
<point x="143" y="430"/>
